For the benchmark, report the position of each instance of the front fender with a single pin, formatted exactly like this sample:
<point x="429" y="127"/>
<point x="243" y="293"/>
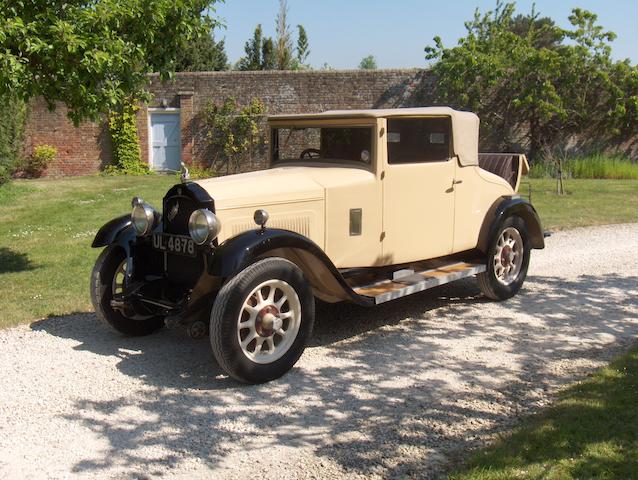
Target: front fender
<point x="237" y="253"/>
<point x="118" y="231"/>
<point x="506" y="207"/>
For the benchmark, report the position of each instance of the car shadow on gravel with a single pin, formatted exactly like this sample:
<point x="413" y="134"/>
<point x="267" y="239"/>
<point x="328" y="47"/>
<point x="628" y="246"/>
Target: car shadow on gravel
<point x="397" y="390"/>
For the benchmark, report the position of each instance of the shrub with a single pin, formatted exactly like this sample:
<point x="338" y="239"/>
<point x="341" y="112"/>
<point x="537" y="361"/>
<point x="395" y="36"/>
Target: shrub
<point x="127" y="158"/>
<point x="39" y="160"/>
<point x="232" y="132"/>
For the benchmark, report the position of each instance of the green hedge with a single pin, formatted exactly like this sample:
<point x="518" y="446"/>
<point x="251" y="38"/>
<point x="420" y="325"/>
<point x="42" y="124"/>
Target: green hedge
<point x="12" y="122"/>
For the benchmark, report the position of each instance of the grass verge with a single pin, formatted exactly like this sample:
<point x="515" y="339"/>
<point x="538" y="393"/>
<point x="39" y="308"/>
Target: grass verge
<point x="587" y="202"/>
<point x="45" y="239"/>
<point x="590" y="432"/>
<point x="47" y="227"/>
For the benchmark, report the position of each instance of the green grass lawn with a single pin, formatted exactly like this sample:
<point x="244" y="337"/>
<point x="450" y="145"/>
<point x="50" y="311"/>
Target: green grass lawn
<point x="587" y="202"/>
<point x="47" y="227"/>
<point x="591" y="432"/>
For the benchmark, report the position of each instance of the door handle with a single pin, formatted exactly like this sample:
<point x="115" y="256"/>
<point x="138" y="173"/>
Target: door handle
<point x="457" y="182"/>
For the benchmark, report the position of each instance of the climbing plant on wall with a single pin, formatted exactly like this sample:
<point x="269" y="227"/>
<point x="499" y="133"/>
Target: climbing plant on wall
<point x="127" y="158"/>
<point x="232" y="133"/>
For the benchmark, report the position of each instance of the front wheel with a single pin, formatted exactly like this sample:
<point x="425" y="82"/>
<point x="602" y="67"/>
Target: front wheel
<point x="261" y="321"/>
<point x="507" y="261"/>
<point x="107" y="280"/>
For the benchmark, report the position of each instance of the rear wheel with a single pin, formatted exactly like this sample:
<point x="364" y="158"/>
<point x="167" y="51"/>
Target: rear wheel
<point x="261" y="321"/>
<point x="107" y="279"/>
<point x="507" y="261"/>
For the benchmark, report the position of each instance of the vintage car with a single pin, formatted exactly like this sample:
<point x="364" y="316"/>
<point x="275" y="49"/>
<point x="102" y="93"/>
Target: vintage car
<point x="364" y="206"/>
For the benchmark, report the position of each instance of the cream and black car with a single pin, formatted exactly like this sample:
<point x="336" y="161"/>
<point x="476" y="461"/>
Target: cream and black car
<point x="364" y="206"/>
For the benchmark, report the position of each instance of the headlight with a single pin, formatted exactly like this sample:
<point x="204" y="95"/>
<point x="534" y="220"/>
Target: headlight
<point x="143" y="218"/>
<point x="204" y="226"/>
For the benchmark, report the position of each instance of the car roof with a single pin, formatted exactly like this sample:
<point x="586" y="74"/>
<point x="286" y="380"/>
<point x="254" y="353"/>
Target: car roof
<point x="465" y="125"/>
<point x="370" y="113"/>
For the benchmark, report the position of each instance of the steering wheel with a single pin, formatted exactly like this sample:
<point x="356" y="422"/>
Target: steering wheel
<point x="310" y="153"/>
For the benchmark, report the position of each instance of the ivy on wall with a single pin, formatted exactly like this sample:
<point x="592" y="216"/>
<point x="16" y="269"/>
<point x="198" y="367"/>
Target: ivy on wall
<point x="127" y="158"/>
<point x="13" y="117"/>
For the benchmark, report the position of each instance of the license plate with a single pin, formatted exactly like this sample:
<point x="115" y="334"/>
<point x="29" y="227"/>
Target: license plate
<point x="177" y="244"/>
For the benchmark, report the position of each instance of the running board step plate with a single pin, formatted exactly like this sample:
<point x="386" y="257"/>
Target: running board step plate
<point x="386" y="290"/>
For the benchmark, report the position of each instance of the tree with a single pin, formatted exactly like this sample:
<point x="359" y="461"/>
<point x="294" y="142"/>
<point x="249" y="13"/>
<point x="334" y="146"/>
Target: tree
<point x="303" y="47"/>
<point x="368" y="63"/>
<point x="284" y="38"/>
<point x="530" y="86"/>
<point x="253" y="49"/>
<point x="202" y="54"/>
<point x="268" y="55"/>
<point x="93" y="55"/>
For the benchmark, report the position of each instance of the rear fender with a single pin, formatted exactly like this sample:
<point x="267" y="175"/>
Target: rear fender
<point x="506" y="207"/>
<point x="236" y="254"/>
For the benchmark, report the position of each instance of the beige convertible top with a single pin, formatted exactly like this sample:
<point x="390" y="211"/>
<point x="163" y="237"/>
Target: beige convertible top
<point x="465" y="125"/>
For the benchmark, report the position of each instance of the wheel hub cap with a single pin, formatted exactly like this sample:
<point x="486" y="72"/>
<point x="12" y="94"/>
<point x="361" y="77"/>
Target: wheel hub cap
<point x="268" y="321"/>
<point x="508" y="257"/>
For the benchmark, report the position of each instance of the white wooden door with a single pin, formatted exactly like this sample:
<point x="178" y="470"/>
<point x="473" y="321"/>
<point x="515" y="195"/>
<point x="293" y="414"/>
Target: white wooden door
<point x="166" y="145"/>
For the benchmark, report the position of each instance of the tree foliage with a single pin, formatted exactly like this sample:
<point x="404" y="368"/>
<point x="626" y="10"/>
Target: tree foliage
<point x="284" y="38"/>
<point x="264" y="53"/>
<point x="368" y="63"/>
<point x="91" y="55"/>
<point x="535" y="84"/>
<point x="202" y="54"/>
<point x="303" y="46"/>
<point x="268" y="55"/>
<point x="253" y="50"/>
<point x="12" y="124"/>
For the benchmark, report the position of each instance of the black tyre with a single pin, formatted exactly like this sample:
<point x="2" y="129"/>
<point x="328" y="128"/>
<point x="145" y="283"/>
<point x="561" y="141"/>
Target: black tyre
<point x="106" y="279"/>
<point x="507" y="261"/>
<point x="261" y="320"/>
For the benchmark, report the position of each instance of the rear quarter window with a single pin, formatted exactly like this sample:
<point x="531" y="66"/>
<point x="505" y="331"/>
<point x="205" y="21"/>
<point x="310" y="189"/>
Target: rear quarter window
<point x="417" y="140"/>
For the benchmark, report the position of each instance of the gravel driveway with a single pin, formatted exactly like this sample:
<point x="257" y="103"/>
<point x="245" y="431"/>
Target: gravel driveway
<point x="402" y="389"/>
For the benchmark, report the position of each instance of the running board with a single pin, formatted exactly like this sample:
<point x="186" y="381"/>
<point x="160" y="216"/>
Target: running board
<point x="386" y="290"/>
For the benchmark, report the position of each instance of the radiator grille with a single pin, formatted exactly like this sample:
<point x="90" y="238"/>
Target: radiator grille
<point x="300" y="225"/>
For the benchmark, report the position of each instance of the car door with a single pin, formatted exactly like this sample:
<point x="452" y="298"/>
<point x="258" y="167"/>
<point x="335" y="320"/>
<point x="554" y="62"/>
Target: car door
<point x="418" y="189"/>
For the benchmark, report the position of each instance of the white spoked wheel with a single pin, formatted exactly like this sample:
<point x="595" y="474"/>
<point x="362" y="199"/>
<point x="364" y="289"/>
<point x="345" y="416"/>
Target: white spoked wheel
<point x="507" y="260"/>
<point x="269" y="321"/>
<point x="261" y="320"/>
<point x="508" y="256"/>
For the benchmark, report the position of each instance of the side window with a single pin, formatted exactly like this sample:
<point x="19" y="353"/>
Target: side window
<point x="417" y="140"/>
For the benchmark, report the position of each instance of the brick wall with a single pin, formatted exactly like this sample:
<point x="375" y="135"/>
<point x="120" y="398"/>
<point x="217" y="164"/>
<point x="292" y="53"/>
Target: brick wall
<point x="81" y="151"/>
<point x="87" y="149"/>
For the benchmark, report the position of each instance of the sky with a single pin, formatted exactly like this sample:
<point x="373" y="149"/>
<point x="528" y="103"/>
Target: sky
<point x="342" y="32"/>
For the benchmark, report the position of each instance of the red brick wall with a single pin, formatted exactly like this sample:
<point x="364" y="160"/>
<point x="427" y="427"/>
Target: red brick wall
<point x="87" y="149"/>
<point x="81" y="151"/>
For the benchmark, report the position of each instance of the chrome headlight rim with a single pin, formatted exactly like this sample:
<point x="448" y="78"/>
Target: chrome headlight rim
<point x="203" y="226"/>
<point x="143" y="218"/>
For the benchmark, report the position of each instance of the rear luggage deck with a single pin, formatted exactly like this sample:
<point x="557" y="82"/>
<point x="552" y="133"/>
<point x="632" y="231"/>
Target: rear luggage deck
<point x="419" y="278"/>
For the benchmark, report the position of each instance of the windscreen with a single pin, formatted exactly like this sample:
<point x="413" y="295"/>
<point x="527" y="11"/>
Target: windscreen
<point x="322" y="144"/>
